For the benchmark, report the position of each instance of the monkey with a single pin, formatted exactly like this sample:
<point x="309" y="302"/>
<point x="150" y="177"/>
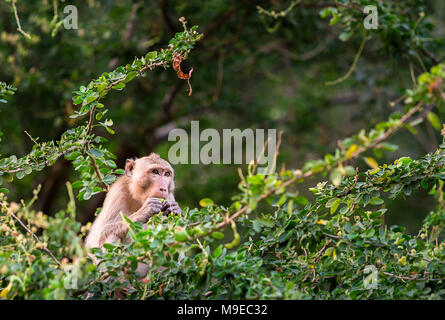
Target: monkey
<point x="135" y="194"/>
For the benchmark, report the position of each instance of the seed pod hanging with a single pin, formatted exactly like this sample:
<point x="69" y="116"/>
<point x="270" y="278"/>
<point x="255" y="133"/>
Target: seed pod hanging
<point x="177" y="59"/>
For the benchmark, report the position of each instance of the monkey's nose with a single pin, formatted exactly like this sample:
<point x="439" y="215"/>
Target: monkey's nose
<point x="163" y="190"/>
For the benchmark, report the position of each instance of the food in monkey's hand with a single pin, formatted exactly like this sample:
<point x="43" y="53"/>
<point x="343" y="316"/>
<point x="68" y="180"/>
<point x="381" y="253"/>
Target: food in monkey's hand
<point x="162" y="200"/>
<point x="171" y="207"/>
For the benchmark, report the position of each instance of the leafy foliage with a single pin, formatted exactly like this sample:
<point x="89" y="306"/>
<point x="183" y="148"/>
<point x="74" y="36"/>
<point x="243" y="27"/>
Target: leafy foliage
<point x="6" y="90"/>
<point x="298" y="250"/>
<point x="271" y="242"/>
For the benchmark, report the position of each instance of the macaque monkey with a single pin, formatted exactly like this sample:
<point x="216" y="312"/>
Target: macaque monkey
<point x="135" y="194"/>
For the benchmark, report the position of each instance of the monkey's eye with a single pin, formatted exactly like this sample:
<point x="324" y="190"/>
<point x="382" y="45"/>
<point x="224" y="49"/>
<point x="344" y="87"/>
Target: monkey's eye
<point x="155" y="171"/>
<point x="167" y="174"/>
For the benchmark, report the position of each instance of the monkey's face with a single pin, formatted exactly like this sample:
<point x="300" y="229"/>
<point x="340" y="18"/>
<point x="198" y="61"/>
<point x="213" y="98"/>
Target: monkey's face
<point x="154" y="178"/>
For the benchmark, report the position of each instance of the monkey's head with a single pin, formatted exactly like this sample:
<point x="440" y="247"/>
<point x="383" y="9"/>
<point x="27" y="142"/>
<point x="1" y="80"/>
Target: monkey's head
<point x="150" y="176"/>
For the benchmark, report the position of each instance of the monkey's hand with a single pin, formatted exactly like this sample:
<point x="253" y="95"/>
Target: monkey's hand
<point x="150" y="207"/>
<point x="171" y="207"/>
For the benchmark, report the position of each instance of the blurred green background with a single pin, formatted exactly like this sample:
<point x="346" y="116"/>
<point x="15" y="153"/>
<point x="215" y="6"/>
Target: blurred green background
<point x="245" y="76"/>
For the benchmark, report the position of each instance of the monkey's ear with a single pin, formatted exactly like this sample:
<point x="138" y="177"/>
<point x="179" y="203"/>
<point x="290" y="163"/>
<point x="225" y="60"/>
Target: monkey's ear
<point x="129" y="166"/>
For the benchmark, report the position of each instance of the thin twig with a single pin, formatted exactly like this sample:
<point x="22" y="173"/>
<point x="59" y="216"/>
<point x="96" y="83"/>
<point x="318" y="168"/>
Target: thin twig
<point x="87" y="147"/>
<point x="280" y="14"/>
<point x="97" y="171"/>
<point x="35" y="237"/>
<point x="91" y="121"/>
<point x="390" y="131"/>
<point x="14" y="8"/>
<point x="354" y="63"/>
<point x="46" y="162"/>
<point x="412" y="278"/>
<point x="150" y="66"/>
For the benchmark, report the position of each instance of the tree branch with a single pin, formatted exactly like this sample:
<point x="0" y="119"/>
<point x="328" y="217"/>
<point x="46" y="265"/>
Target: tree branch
<point x="42" y="247"/>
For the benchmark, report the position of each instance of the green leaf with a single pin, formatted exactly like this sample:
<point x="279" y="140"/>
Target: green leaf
<point x="335" y="205"/>
<point x="389" y="146"/>
<point x="95" y="153"/>
<point x="78" y="100"/>
<point x="329" y="251"/>
<point x="218" y="235"/>
<point x="151" y="55"/>
<point x="131" y="76"/>
<point x="336" y="177"/>
<point x="326" y="12"/>
<point x="110" y="163"/>
<point x="376" y="215"/>
<point x="109" y="179"/>
<point x="376" y="201"/>
<point x="344" y="36"/>
<point x="403" y="161"/>
<point x="206" y="202"/>
<point x="344" y="210"/>
<point x="119" y="171"/>
<point x="119" y="86"/>
<point x="77" y="185"/>
<point x="73" y="155"/>
<point x="351" y="151"/>
<point x="266" y="222"/>
<point x="181" y="236"/>
<point x="88" y="193"/>
<point x="371" y="162"/>
<point x="335" y="18"/>
<point x="101" y="86"/>
<point x="434" y="120"/>
<point x="128" y="220"/>
<point x="350" y="171"/>
<point x="99" y="115"/>
<point x="110" y="131"/>
<point x="331" y="202"/>
<point x="217" y="252"/>
<point x="108" y="246"/>
<point x="253" y="203"/>
<point x="91" y="98"/>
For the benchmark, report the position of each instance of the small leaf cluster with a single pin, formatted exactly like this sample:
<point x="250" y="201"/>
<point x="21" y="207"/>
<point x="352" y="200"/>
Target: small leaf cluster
<point x="401" y="28"/>
<point x="6" y="90"/>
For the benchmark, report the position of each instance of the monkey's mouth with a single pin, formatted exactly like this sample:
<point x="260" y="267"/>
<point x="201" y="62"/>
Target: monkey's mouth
<point x="162" y="195"/>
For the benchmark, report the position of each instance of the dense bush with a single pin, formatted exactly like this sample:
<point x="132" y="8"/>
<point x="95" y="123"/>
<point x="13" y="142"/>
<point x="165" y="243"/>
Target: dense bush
<point x="271" y="241"/>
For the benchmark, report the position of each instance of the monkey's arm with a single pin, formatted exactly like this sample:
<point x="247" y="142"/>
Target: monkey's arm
<point x="118" y="228"/>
